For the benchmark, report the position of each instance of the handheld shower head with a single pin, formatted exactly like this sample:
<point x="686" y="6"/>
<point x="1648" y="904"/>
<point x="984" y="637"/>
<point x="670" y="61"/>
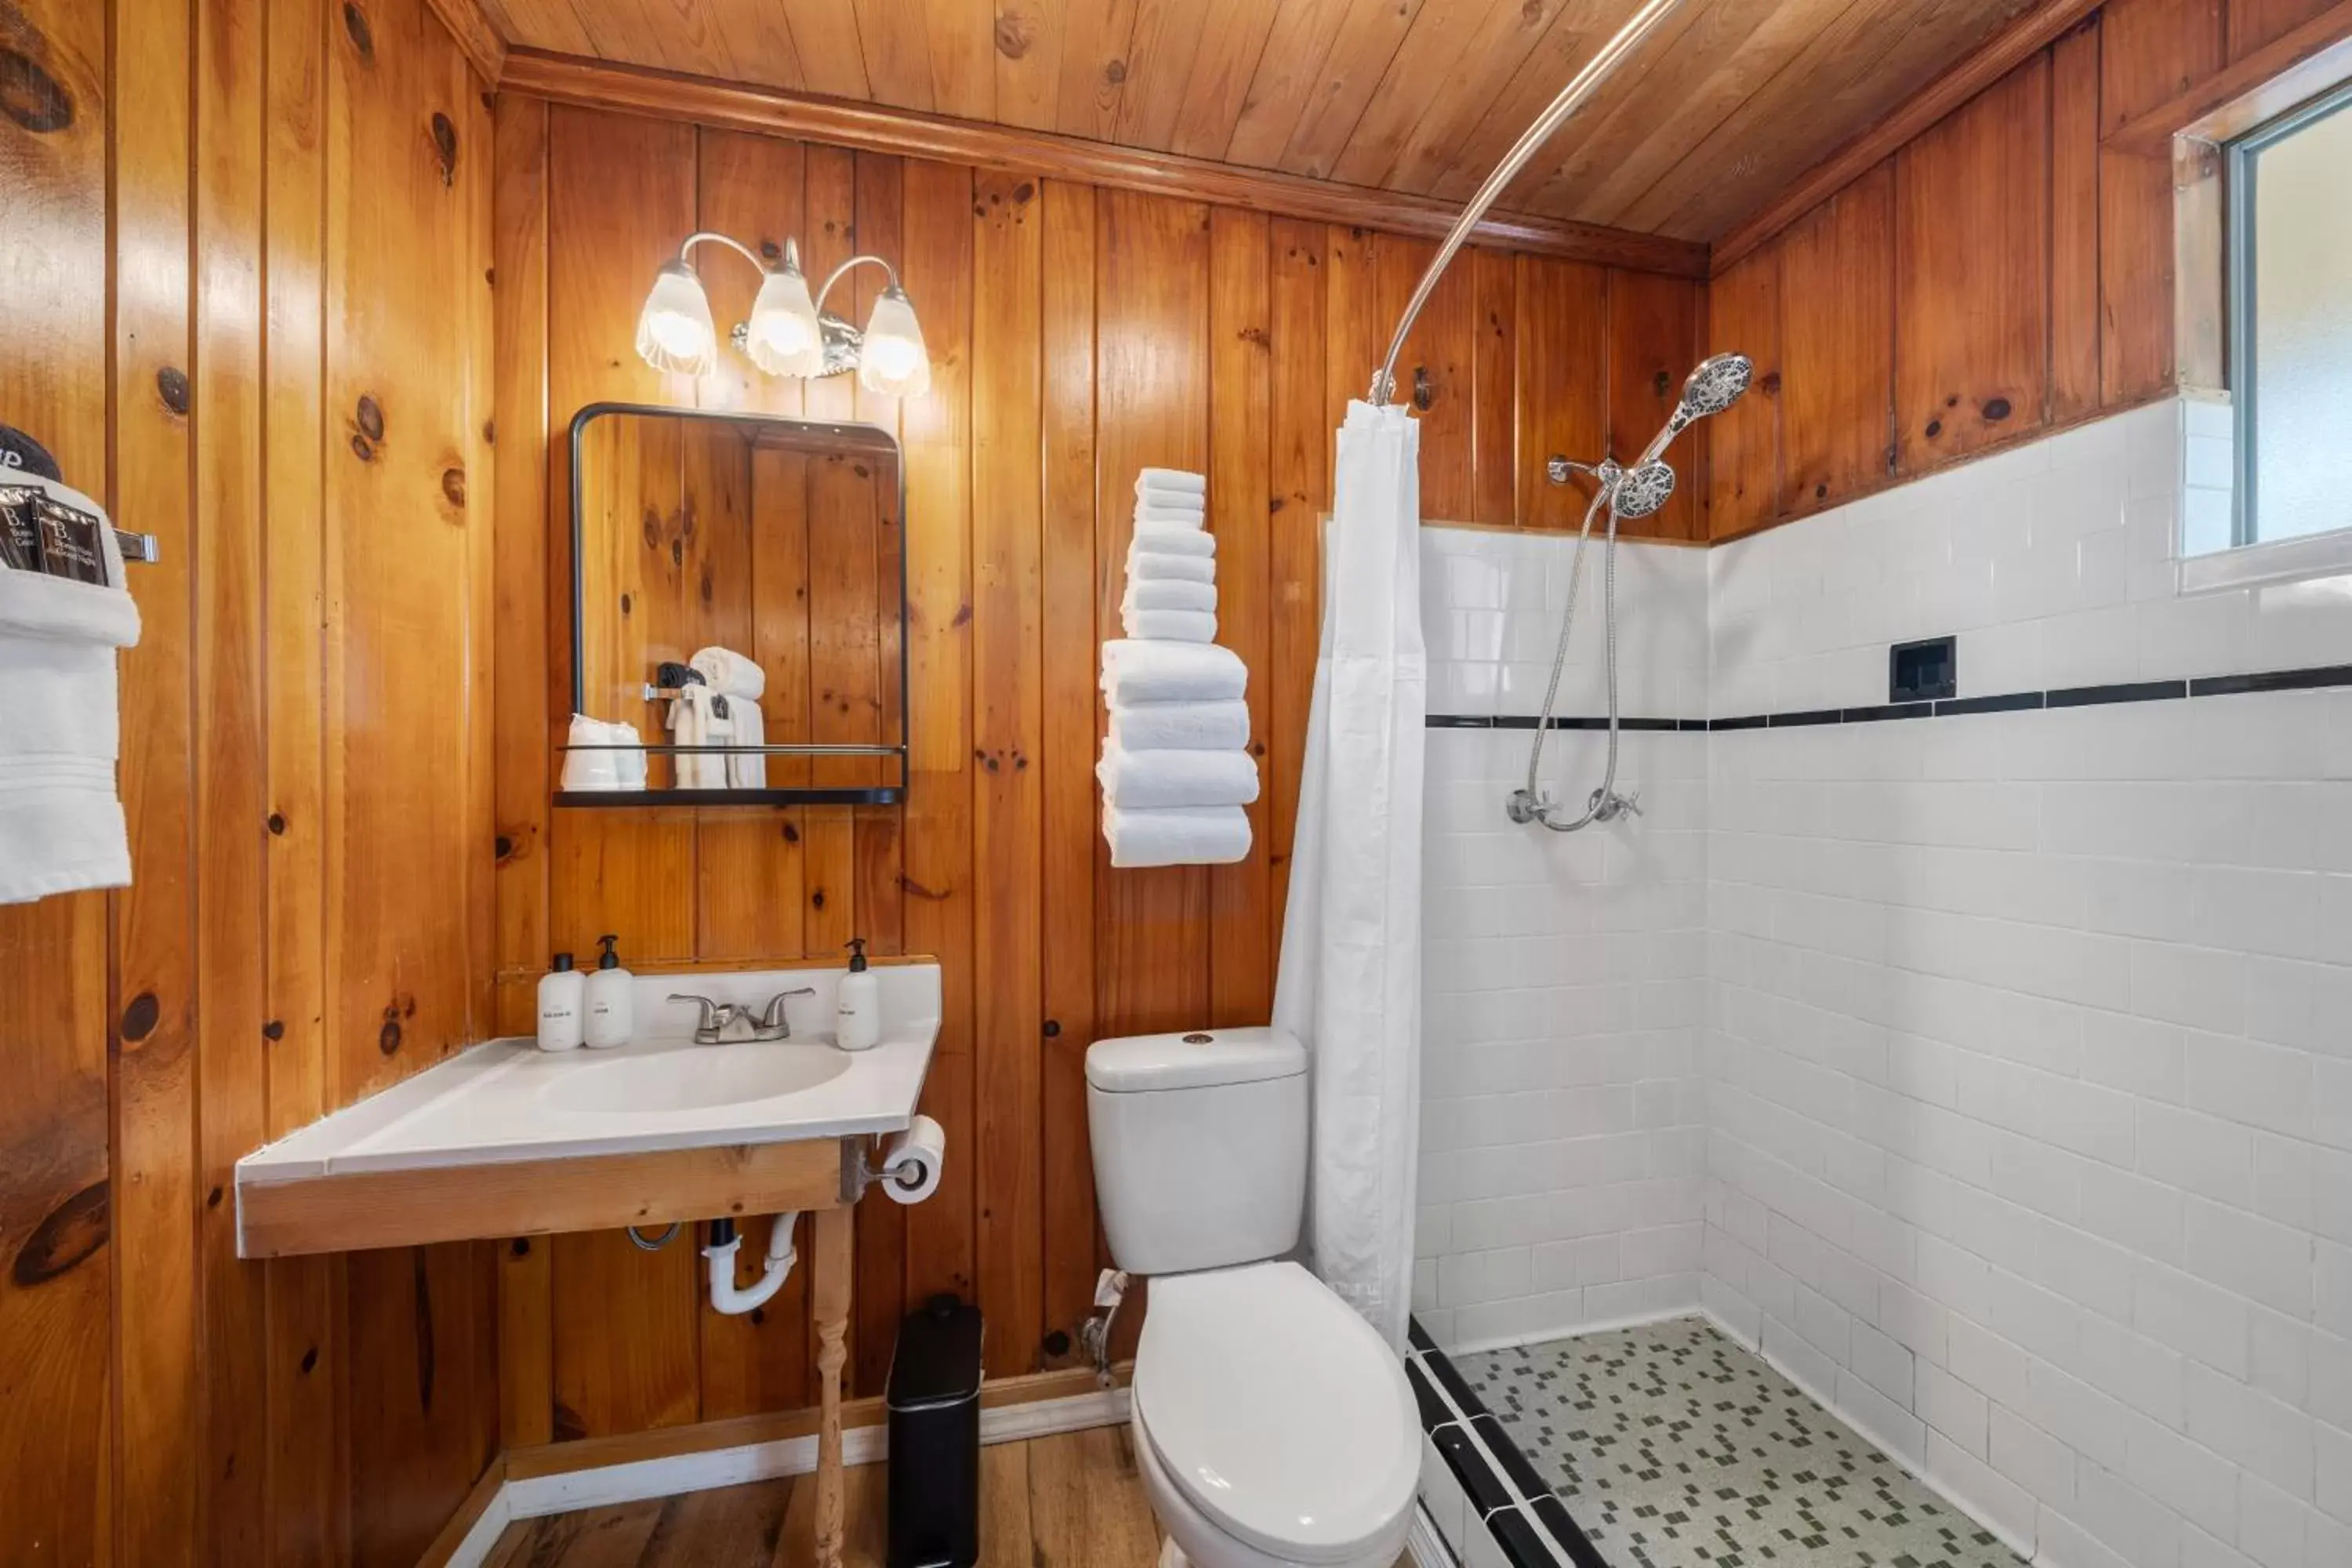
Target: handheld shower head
<point x="1641" y="490"/>
<point x="1714" y="386"/>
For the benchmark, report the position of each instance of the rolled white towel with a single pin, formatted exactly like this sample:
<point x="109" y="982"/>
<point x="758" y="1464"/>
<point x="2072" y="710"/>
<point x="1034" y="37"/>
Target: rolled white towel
<point x="730" y="673"/>
<point x="1154" y="565"/>
<point x="1136" y="672"/>
<point x="694" y="722"/>
<point x="1134" y="780"/>
<point x="1171" y="480"/>
<point x="1182" y="726"/>
<point x="1172" y="541"/>
<point x="1167" y="517"/>
<point x="1168" y="594"/>
<point x="1202" y="836"/>
<point x="1174" y="626"/>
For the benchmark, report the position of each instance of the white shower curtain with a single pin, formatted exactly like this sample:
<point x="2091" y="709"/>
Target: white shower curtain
<point x="1349" y="981"/>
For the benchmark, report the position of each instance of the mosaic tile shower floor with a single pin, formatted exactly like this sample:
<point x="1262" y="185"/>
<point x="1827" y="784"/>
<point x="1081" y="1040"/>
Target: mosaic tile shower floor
<point x="1676" y="1447"/>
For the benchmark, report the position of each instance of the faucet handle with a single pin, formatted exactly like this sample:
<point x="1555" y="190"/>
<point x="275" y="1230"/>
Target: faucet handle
<point x="773" y="1017"/>
<point x="713" y="1012"/>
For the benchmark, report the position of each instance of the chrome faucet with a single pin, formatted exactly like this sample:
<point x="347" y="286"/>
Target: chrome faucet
<point x="728" y="1023"/>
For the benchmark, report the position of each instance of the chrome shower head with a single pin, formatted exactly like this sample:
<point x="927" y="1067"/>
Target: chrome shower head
<point x="1714" y="386"/>
<point x="1641" y="490"/>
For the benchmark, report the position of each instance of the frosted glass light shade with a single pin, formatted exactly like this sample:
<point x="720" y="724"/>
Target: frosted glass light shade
<point x="893" y="361"/>
<point x="674" y="332"/>
<point x="782" y="336"/>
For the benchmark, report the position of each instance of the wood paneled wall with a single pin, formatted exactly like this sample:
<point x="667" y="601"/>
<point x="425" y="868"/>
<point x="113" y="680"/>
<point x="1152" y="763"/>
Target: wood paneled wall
<point x="243" y="269"/>
<point x="1077" y="334"/>
<point x="2007" y="272"/>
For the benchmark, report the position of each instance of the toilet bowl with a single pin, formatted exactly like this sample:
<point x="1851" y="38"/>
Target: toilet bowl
<point x="1273" y="1426"/>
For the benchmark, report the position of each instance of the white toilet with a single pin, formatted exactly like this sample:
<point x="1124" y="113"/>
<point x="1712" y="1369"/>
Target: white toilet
<point x="1273" y="1426"/>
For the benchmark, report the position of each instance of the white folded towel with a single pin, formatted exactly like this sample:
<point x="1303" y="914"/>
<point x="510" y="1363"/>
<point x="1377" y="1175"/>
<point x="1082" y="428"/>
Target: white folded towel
<point x="1134" y="780"/>
<point x="1177" y="626"/>
<point x="1173" y="540"/>
<point x="1168" y="594"/>
<point x="748" y="727"/>
<point x="61" y="827"/>
<point x="694" y="722"/>
<point x="1171" y="480"/>
<point x="1173" y="501"/>
<point x="731" y="673"/>
<point x="1199" y="836"/>
<point x="1136" y="672"/>
<point x="1162" y="565"/>
<point x="1181" y="726"/>
<point x="1167" y="517"/>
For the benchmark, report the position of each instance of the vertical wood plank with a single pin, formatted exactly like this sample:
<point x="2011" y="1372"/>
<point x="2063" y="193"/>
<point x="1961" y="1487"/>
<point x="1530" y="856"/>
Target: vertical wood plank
<point x="1152" y="376"/>
<point x="1070" y="654"/>
<point x="1494" y="391"/>
<point x="158" y="1364"/>
<point x="1440" y="357"/>
<point x="1837" y="345"/>
<point x="55" y="1195"/>
<point x="1972" y="274"/>
<point x="1300" y="443"/>
<point x="1008" y="751"/>
<point x="2151" y="51"/>
<point x="1563" y="318"/>
<point x="1242" y="917"/>
<point x="2253" y="23"/>
<point x="940" y="910"/>
<point x="1652" y="329"/>
<point x="2136" y="277"/>
<point x="1744" y="451"/>
<point x="2074" y="224"/>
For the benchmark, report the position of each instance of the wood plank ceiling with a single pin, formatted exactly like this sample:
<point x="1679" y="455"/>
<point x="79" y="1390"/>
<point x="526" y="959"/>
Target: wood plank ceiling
<point x="1731" y="100"/>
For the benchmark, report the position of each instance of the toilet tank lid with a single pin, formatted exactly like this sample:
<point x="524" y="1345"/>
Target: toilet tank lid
<point x="1197" y="1058"/>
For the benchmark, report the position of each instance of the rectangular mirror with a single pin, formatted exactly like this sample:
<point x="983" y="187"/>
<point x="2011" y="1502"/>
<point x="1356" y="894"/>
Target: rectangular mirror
<point x="777" y="541"/>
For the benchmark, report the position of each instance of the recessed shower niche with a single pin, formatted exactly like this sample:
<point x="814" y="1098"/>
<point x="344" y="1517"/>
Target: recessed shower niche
<point x="738" y="611"/>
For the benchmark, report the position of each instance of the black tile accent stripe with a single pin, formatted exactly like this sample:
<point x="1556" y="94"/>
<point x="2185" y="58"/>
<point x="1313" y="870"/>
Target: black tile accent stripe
<point x="1418" y="1337"/>
<point x="1481" y="1485"/>
<point x="2306" y="679"/>
<point x="1507" y="1454"/>
<point x="1434" y="1411"/>
<point x="1511" y="1528"/>
<point x="1451" y="1381"/>
<point x="1520" y="1540"/>
<point x="1565" y="1530"/>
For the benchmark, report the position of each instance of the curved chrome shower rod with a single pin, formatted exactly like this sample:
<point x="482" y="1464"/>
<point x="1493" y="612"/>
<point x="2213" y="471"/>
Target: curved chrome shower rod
<point x="1572" y="97"/>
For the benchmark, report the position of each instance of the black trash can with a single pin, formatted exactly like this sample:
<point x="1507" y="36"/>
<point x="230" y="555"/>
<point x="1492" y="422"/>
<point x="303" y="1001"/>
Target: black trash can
<point x="934" y="1403"/>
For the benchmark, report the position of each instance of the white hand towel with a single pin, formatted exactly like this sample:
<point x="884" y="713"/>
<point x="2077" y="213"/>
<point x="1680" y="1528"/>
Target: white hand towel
<point x="1173" y="480"/>
<point x="694" y="722"/>
<point x="1168" y="594"/>
<point x="746" y="770"/>
<point x="1171" y="672"/>
<point x="1157" y="565"/>
<point x="730" y="673"/>
<point x="1176" y="502"/>
<point x="61" y="827"/>
<point x="1134" y="780"/>
<point x="1167" y="540"/>
<point x="1181" y="727"/>
<point x="1168" y="518"/>
<point x="1175" y="626"/>
<point x="1203" y="836"/>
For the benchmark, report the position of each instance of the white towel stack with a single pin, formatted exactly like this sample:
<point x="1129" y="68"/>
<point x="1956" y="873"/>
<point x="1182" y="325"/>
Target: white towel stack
<point x="1176" y="770"/>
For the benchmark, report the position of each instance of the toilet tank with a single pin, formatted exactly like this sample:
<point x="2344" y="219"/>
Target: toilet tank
<point x="1199" y="1145"/>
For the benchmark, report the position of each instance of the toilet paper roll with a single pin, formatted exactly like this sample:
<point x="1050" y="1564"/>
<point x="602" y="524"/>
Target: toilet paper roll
<point x="910" y="1170"/>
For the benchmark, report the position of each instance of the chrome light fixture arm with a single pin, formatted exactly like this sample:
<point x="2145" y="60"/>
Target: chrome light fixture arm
<point x="1572" y="97"/>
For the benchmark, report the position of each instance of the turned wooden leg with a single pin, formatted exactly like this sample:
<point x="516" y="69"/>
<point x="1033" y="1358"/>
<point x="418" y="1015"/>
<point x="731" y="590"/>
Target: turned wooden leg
<point x="833" y="1262"/>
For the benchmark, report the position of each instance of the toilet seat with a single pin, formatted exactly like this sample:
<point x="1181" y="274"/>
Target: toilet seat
<point x="1277" y="1413"/>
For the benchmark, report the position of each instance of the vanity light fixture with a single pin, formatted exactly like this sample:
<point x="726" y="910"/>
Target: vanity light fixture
<point x="790" y="332"/>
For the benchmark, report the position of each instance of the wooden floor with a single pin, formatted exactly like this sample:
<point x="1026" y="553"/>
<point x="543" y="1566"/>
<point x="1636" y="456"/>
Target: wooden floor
<point x="1074" y="1500"/>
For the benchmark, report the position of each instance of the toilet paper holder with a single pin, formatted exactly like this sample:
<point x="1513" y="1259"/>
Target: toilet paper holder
<point x="859" y="1171"/>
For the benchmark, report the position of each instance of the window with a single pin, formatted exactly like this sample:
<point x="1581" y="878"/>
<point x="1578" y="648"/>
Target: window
<point x="2290" y="270"/>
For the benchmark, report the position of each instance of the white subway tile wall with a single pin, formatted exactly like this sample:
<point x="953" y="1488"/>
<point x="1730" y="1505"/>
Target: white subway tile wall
<point x="1564" y="975"/>
<point x="2028" y="1046"/>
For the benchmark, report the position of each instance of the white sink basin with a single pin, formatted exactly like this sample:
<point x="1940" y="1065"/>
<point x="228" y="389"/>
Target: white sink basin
<point x="699" y="1078"/>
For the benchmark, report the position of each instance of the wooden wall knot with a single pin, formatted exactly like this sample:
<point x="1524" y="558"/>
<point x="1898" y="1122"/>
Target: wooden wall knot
<point x="72" y="1233"/>
<point x="1114" y="72"/>
<point x="1998" y="410"/>
<point x="369" y="416"/>
<point x="31" y="97"/>
<point x="139" y="1018"/>
<point x="363" y="36"/>
<point x="273" y="1030"/>
<point x="445" y="146"/>
<point x="1012" y="33"/>
<point x="453" y="487"/>
<point x="171" y="386"/>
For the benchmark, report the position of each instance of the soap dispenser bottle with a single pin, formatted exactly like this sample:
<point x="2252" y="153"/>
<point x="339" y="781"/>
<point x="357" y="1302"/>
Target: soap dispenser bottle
<point x="612" y="1015"/>
<point x="857" y="1021"/>
<point x="562" y="1003"/>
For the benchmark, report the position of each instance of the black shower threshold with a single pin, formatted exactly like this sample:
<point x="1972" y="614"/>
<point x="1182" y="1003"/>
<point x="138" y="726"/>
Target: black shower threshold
<point x="1509" y="1505"/>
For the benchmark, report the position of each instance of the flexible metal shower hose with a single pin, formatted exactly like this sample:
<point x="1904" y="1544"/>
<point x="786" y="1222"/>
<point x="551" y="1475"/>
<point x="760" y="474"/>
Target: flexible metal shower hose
<point x="1601" y="500"/>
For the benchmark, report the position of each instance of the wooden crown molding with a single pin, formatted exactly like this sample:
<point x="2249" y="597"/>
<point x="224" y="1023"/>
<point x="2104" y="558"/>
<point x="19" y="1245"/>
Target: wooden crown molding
<point x="598" y="84"/>
<point x="477" y="37"/>
<point x="1994" y="59"/>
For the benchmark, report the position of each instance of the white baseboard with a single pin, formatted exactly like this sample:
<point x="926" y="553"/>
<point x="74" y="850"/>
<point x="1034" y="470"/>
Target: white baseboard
<point x="1425" y="1545"/>
<point x="1576" y="1330"/>
<point x="639" y="1480"/>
